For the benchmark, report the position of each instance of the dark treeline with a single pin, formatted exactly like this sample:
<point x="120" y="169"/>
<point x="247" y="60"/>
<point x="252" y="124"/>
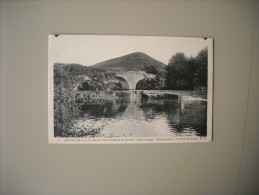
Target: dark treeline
<point x="183" y="73"/>
<point x="85" y="78"/>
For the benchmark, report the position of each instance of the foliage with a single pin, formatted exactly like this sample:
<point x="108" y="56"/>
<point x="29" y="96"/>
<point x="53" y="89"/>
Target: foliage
<point x="150" y="69"/>
<point x="64" y="102"/>
<point x="67" y="101"/>
<point x="183" y="73"/>
<point x="101" y="81"/>
<point x="157" y="83"/>
<point x="201" y="74"/>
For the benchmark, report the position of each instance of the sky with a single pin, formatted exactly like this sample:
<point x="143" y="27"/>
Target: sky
<point x="88" y="50"/>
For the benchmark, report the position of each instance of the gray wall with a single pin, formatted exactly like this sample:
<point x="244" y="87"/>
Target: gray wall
<point x="228" y="165"/>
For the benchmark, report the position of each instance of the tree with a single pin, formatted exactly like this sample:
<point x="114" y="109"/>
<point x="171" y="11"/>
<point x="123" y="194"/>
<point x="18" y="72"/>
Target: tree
<point x="201" y="73"/>
<point x="150" y="69"/>
<point x="176" y="72"/>
<point x="184" y="73"/>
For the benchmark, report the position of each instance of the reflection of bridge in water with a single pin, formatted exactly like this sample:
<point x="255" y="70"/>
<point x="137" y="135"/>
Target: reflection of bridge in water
<point x="129" y="79"/>
<point x="134" y="97"/>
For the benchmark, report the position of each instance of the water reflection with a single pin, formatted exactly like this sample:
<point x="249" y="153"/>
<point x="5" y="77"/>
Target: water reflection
<point x="151" y="118"/>
<point x="105" y="109"/>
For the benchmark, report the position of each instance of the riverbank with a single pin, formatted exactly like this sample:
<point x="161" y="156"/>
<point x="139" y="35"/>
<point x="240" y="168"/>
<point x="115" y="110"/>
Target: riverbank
<point x="194" y="95"/>
<point x="94" y="96"/>
<point x="103" y="96"/>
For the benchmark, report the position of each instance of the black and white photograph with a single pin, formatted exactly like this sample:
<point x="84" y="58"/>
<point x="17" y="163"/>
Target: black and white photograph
<point x="129" y="89"/>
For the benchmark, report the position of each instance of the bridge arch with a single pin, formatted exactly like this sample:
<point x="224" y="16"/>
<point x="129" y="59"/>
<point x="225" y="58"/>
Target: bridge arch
<point x="123" y="82"/>
<point x="140" y="84"/>
<point x="145" y="83"/>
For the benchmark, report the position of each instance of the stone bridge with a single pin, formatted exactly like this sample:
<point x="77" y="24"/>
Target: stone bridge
<point x="129" y="79"/>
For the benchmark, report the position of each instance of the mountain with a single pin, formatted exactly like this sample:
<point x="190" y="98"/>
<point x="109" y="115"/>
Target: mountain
<point x="131" y="62"/>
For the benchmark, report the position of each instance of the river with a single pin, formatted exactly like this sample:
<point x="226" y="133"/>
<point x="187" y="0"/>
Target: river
<point x="170" y="116"/>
